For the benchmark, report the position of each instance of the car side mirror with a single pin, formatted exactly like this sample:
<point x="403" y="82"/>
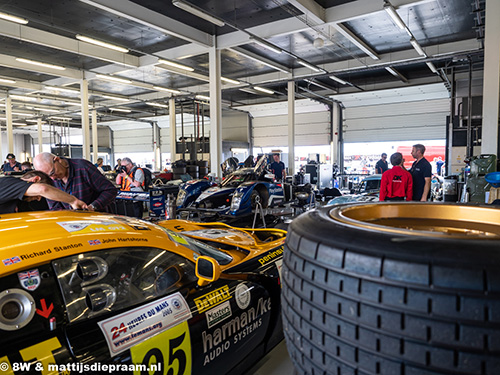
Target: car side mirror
<point x="207" y="270"/>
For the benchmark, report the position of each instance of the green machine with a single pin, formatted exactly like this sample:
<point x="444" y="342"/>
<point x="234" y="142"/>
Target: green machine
<point x="476" y="186"/>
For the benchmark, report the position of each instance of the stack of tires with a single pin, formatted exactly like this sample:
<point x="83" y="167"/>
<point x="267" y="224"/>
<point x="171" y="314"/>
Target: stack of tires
<point x="203" y="165"/>
<point x="393" y="288"/>
<point x="193" y="169"/>
<point x="178" y="169"/>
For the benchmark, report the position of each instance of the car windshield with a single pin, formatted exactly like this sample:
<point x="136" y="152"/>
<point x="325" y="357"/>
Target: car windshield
<point x="237" y="178"/>
<point x="199" y="247"/>
<point x="368" y="185"/>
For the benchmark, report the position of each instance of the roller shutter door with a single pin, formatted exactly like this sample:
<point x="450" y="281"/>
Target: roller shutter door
<point x="419" y="120"/>
<point x="311" y="129"/>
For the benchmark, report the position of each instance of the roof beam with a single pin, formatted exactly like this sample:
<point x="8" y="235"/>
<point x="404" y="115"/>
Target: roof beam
<point x="311" y="9"/>
<point x="134" y="12"/>
<point x="47" y="39"/>
<point x="11" y="62"/>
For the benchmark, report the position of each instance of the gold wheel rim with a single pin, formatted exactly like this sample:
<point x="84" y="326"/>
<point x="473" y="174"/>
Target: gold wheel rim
<point x="423" y="219"/>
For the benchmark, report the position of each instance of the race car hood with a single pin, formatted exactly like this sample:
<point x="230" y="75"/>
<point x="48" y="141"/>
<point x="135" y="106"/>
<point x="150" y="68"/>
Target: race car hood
<point x="214" y="192"/>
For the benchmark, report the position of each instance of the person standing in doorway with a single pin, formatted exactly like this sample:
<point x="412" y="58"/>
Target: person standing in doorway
<point x="382" y="164"/>
<point x="421" y="172"/>
<point x="278" y="168"/>
<point x="396" y="184"/>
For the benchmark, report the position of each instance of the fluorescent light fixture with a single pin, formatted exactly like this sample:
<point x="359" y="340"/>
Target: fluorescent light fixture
<point x="102" y="44"/>
<point x="175" y="65"/>
<point x="310" y="66"/>
<point x="394" y="15"/>
<point x="197" y="12"/>
<point x="22" y="97"/>
<point x="339" y="80"/>
<point x="392" y="71"/>
<point x="4" y="80"/>
<point x="19" y="124"/>
<point x="267" y="45"/>
<point x="113" y="79"/>
<point x="63" y="89"/>
<point x="115" y="98"/>
<point x="417" y="47"/>
<point x="46" y="110"/>
<point x="32" y="120"/>
<point x="120" y="110"/>
<point x="23" y="114"/>
<point x="166" y="89"/>
<point x="38" y="63"/>
<point x="157" y="104"/>
<point x="432" y="67"/>
<point x="60" y="118"/>
<point x="202" y="97"/>
<point x="12" y="18"/>
<point x="262" y="89"/>
<point x="229" y="80"/>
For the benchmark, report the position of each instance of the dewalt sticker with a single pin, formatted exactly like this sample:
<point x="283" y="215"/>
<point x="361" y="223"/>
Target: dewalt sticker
<point x="212" y="299"/>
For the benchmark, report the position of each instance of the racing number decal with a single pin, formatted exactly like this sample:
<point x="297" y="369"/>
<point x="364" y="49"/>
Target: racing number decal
<point x="171" y="349"/>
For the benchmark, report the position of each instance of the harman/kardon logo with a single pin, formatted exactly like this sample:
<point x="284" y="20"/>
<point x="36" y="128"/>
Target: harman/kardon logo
<point x="218" y="314"/>
<point x="212" y="299"/>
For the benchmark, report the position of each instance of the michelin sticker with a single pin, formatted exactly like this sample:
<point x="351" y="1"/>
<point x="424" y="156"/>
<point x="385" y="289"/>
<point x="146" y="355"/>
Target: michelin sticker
<point x="242" y="296"/>
<point x="30" y="280"/>
<point x="126" y="330"/>
<point x="91" y="226"/>
<point x="218" y="314"/>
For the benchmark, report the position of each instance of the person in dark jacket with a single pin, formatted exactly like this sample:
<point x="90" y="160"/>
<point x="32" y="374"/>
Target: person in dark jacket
<point x="382" y="165"/>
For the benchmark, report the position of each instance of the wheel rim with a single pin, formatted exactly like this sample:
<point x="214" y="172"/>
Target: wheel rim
<point x="429" y="219"/>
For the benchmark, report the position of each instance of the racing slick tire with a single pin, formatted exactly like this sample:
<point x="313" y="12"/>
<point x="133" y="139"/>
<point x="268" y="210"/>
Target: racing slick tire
<point x="254" y="198"/>
<point x="179" y="170"/>
<point x="393" y="288"/>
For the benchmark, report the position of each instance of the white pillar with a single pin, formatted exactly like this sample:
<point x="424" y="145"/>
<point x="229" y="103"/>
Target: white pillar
<point x="291" y="128"/>
<point x="215" y="112"/>
<point x="40" y="135"/>
<point x="84" y="92"/>
<point x="491" y="80"/>
<point x="156" y="147"/>
<point x="95" y="140"/>
<point x="336" y="127"/>
<point x="10" y="128"/>
<point x="173" y="128"/>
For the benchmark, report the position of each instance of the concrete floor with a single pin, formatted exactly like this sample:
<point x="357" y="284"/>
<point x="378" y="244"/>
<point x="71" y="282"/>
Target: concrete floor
<point x="276" y="362"/>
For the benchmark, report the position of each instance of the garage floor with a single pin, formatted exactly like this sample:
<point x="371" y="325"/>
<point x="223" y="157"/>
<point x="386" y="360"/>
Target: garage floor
<point x="277" y="362"/>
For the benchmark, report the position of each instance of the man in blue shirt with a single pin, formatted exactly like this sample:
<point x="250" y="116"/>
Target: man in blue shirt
<point x="421" y="172"/>
<point x="12" y="165"/>
<point x="278" y="168"/>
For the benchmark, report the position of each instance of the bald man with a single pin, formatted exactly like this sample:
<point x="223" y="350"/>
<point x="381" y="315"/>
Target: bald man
<point x="77" y="177"/>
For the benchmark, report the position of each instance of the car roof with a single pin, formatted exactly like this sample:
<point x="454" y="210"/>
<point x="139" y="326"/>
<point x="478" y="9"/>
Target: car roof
<point x="373" y="177"/>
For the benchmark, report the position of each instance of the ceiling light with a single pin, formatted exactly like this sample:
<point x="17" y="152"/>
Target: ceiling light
<point x="120" y="110"/>
<point x="392" y="71"/>
<point x="432" y="67"/>
<point x="166" y="89"/>
<point x="38" y="63"/>
<point x="22" y="97"/>
<point x="31" y="120"/>
<point x="60" y="118"/>
<point x="102" y="44"/>
<point x="339" y="80"/>
<point x="229" y="80"/>
<point x="310" y="66"/>
<point x="157" y="104"/>
<point x="9" y="17"/>
<point x="267" y="45"/>
<point x="46" y="110"/>
<point x="262" y="89"/>
<point x="19" y="124"/>
<point x="202" y="97"/>
<point x="115" y="98"/>
<point x="23" y="114"/>
<point x="112" y="78"/>
<point x="394" y="15"/>
<point x="175" y="65"/>
<point x="197" y="12"/>
<point x="417" y="47"/>
<point x="63" y="89"/>
<point x="7" y="80"/>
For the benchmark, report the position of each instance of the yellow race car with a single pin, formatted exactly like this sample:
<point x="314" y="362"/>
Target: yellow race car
<point x="89" y="293"/>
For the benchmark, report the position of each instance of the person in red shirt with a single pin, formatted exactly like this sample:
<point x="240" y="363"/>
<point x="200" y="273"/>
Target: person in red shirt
<point x="396" y="184"/>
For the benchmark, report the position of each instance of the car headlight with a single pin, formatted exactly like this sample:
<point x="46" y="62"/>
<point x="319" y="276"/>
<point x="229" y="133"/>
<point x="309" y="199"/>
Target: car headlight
<point x="180" y="197"/>
<point x="235" y="202"/>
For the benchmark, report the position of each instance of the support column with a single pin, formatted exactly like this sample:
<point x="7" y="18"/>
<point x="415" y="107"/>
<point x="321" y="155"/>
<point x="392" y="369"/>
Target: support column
<point x="10" y="127"/>
<point x="40" y="135"/>
<point x="491" y="81"/>
<point x="173" y="129"/>
<point x="215" y="112"/>
<point x="84" y="92"/>
<point x="95" y="139"/>
<point x="156" y="146"/>
<point x="335" y="129"/>
<point x="291" y="128"/>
